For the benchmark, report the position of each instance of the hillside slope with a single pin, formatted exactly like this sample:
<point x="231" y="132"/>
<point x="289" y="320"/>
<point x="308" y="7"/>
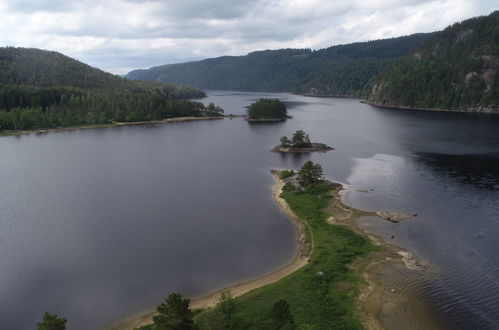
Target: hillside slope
<point x="42" y="68"/>
<point x="43" y="89"/>
<point x="346" y="70"/>
<point x="455" y="69"/>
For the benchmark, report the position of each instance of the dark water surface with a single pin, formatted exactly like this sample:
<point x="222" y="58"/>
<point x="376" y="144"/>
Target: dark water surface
<point x="96" y="224"/>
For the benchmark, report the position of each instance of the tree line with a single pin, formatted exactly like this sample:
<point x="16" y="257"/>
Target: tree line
<point x="58" y="107"/>
<point x="43" y="89"/>
<point x="339" y="70"/>
<point x="174" y="313"/>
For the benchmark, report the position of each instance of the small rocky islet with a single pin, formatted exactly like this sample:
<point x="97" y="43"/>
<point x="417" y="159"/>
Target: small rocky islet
<point x="300" y="143"/>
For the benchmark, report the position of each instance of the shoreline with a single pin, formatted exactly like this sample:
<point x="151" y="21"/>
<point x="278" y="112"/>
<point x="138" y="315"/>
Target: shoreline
<point x="112" y="124"/>
<point x="299" y="260"/>
<point x="265" y="120"/>
<point x="401" y="107"/>
<point x="372" y="301"/>
<point x="380" y="303"/>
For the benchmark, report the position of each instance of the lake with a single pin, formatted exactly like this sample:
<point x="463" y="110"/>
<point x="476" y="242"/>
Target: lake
<point x="100" y="223"/>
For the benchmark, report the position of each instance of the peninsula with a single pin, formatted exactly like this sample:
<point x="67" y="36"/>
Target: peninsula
<point x="331" y="282"/>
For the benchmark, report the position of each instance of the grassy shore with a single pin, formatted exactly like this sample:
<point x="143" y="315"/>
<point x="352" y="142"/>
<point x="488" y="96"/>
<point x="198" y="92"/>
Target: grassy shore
<point x="322" y="294"/>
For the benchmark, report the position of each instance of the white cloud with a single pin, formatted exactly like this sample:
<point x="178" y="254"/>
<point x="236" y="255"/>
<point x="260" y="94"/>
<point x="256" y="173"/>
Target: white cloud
<point x="120" y="35"/>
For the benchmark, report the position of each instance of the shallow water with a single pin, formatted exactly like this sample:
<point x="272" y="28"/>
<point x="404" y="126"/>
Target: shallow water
<point x="99" y="223"/>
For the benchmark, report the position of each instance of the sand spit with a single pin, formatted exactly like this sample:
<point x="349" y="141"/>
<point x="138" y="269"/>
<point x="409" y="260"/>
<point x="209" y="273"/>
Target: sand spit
<point x="112" y="124"/>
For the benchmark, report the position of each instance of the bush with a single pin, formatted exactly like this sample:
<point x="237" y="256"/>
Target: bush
<point x="286" y="174"/>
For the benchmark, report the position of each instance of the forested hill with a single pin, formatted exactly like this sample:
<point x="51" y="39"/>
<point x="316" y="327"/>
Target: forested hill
<point x="455" y="69"/>
<point x="43" y="89"/>
<point x="36" y="67"/>
<point x="346" y="70"/>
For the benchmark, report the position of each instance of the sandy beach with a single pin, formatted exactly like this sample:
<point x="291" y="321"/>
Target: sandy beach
<point x="299" y="260"/>
<point x="112" y="124"/>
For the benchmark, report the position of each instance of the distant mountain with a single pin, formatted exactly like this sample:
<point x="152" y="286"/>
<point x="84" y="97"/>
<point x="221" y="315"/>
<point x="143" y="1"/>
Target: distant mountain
<point x="455" y="69"/>
<point x="344" y="70"/>
<point x="44" y="89"/>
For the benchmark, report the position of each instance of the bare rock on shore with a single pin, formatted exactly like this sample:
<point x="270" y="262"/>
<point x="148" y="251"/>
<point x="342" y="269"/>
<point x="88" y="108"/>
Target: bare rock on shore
<point x="392" y="216"/>
<point x="411" y="262"/>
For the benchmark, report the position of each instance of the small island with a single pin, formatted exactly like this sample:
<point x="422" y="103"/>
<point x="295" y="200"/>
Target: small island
<point x="300" y="142"/>
<point x="267" y="110"/>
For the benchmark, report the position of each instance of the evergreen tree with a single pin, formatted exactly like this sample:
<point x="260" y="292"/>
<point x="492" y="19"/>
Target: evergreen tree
<point x="227" y="308"/>
<point x="300" y="140"/>
<point x="310" y="173"/>
<point x="174" y="314"/>
<point x="281" y="315"/>
<point x="285" y="143"/>
<point x="52" y="322"/>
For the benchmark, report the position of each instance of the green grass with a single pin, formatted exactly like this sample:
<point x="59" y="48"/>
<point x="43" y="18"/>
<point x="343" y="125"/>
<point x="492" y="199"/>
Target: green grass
<point x="321" y="294"/>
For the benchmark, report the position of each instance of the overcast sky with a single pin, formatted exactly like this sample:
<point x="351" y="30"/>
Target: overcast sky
<point x="121" y="35"/>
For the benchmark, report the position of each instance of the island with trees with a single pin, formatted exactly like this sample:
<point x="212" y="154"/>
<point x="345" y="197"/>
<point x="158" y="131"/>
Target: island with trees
<point x="300" y="142"/>
<point x="267" y="110"/>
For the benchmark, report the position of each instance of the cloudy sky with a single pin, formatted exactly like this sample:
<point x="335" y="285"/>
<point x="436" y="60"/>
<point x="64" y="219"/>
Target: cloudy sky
<point x="121" y="35"/>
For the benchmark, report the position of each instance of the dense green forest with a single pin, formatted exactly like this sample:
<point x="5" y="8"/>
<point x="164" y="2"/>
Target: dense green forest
<point x="346" y="70"/>
<point x="44" y="89"/>
<point x="267" y="109"/>
<point x="456" y="69"/>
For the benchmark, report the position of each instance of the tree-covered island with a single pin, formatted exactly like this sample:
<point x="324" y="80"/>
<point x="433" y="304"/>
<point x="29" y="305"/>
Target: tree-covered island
<point x="267" y="110"/>
<point x="300" y="142"/>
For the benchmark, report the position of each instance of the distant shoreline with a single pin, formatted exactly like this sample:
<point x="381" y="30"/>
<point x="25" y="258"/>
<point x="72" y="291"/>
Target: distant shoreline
<point x="264" y="120"/>
<point x="112" y="124"/>
<point x="401" y="107"/>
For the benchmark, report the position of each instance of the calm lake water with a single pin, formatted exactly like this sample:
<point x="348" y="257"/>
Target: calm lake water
<point x="99" y="223"/>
